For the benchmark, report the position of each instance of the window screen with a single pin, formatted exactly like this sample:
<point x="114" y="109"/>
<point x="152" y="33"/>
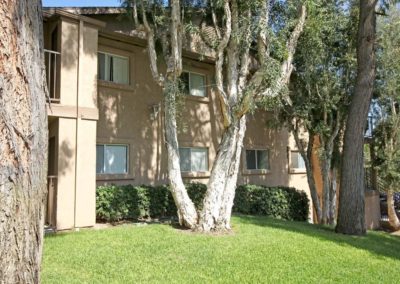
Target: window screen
<point x="193" y="159"/>
<point x="112" y="159"/>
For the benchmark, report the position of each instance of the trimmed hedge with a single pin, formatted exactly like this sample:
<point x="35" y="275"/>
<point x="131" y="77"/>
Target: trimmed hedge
<point x="115" y="203"/>
<point x="278" y="202"/>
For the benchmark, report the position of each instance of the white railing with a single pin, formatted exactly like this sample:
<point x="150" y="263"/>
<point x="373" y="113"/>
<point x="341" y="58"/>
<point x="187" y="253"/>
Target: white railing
<point x="52" y="61"/>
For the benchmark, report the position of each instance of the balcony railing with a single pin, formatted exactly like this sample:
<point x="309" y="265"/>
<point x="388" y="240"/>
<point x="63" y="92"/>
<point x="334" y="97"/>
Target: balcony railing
<point x="52" y="61"/>
<point x="51" y="208"/>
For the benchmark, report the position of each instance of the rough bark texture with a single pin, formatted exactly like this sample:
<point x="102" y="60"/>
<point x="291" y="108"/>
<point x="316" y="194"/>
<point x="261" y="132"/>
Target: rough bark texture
<point x="23" y="141"/>
<point x="351" y="215"/>
<point x="218" y="201"/>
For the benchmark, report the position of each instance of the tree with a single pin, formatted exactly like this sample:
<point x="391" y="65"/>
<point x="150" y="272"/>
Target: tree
<point x="387" y="133"/>
<point x="320" y="86"/>
<point x="247" y="70"/>
<point x="351" y="214"/>
<point x="23" y="141"/>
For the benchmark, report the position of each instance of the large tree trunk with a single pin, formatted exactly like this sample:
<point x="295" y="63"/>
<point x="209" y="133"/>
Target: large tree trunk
<point x="186" y="210"/>
<point x="23" y="141"/>
<point x="351" y="219"/>
<point x="218" y="202"/>
<point x="393" y="219"/>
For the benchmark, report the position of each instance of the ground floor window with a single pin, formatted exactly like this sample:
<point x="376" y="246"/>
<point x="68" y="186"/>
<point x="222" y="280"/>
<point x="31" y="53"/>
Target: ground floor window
<point x="111" y="159"/>
<point x="257" y="160"/>
<point x="193" y="159"/>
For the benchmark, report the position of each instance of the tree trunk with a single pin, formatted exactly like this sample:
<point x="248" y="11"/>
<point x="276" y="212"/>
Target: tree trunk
<point x="332" y="203"/>
<point x="218" y="202"/>
<point x="325" y="169"/>
<point x="23" y="141"/>
<point x="393" y="219"/>
<point x="351" y="219"/>
<point x="186" y="210"/>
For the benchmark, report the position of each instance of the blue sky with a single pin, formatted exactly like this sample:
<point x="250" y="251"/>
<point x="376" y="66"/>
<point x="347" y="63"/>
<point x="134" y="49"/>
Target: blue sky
<point x="80" y="3"/>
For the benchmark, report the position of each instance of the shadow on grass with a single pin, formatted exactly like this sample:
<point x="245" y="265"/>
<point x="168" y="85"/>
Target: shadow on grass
<point x="380" y="244"/>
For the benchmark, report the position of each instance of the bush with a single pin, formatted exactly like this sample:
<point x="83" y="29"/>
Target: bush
<point x="115" y="203"/>
<point x="278" y="202"/>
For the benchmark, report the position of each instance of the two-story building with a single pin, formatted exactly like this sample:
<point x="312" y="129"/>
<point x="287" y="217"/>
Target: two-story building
<point x="106" y="123"/>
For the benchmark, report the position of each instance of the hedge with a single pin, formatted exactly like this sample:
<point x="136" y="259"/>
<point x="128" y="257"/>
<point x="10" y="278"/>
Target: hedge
<point x="115" y="203"/>
<point x="127" y="202"/>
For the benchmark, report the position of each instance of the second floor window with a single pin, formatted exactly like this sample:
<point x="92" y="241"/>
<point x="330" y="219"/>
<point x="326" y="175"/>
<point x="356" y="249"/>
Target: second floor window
<point x="111" y="159"/>
<point x="257" y="160"/>
<point x="113" y="68"/>
<point x="193" y="159"/>
<point x="297" y="161"/>
<point x="194" y="84"/>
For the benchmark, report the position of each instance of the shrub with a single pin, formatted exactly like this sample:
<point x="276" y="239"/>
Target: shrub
<point x="278" y="202"/>
<point x="115" y="203"/>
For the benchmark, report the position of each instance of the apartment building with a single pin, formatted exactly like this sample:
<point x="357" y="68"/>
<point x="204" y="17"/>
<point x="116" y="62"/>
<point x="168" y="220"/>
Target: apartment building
<point x="106" y="123"/>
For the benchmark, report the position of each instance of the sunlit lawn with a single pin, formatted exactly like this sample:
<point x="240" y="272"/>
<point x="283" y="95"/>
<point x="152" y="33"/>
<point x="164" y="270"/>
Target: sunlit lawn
<point x="261" y="250"/>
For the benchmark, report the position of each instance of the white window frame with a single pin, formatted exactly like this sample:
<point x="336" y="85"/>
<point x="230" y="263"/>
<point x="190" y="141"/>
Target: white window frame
<point x="257" y="169"/>
<point x="127" y="158"/>
<point x="207" y="159"/>
<point x="205" y="82"/>
<point x="120" y="56"/>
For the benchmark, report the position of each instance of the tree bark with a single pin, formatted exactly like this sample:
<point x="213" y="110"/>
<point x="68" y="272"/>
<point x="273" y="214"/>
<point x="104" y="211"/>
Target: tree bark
<point x="332" y="204"/>
<point x="186" y="210"/>
<point x="23" y="140"/>
<point x="218" y="202"/>
<point x="351" y="215"/>
<point x="325" y="169"/>
<point x="393" y="219"/>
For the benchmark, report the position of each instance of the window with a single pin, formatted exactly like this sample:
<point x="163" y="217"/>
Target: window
<point x="297" y="161"/>
<point x="111" y="159"/>
<point x="193" y="159"/>
<point x="194" y="84"/>
<point x="257" y="159"/>
<point x="113" y="68"/>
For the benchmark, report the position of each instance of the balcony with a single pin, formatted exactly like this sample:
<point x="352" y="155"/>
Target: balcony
<point x="52" y="62"/>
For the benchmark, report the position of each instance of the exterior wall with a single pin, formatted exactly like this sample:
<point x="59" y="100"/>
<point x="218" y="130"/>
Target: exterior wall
<point x="76" y="117"/>
<point x="125" y="118"/>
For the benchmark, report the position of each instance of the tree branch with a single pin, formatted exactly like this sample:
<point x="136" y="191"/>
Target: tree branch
<point x="159" y="79"/>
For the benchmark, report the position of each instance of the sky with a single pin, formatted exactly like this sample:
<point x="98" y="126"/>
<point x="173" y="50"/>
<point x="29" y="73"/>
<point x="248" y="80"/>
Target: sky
<point x="80" y="3"/>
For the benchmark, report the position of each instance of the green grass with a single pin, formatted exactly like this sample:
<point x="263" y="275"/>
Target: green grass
<point x="262" y="250"/>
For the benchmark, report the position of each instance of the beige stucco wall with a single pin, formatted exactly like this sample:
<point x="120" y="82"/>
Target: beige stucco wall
<point x="125" y="119"/>
<point x="66" y="173"/>
<point x="76" y="117"/>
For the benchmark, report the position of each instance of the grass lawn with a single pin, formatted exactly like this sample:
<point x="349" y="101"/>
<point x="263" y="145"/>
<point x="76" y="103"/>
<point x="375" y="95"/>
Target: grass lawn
<point x="262" y="250"/>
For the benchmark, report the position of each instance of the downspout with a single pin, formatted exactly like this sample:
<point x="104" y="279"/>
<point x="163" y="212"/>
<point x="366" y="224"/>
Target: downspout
<point x="80" y="49"/>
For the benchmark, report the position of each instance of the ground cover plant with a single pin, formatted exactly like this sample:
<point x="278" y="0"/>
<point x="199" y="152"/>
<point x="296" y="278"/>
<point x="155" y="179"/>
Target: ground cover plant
<point x="261" y="250"/>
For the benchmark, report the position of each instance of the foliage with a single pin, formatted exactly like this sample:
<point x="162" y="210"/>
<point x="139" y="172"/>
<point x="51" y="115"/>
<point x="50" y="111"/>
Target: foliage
<point x="261" y="250"/>
<point x="278" y="202"/>
<point x="387" y="133"/>
<point x="115" y="203"/>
